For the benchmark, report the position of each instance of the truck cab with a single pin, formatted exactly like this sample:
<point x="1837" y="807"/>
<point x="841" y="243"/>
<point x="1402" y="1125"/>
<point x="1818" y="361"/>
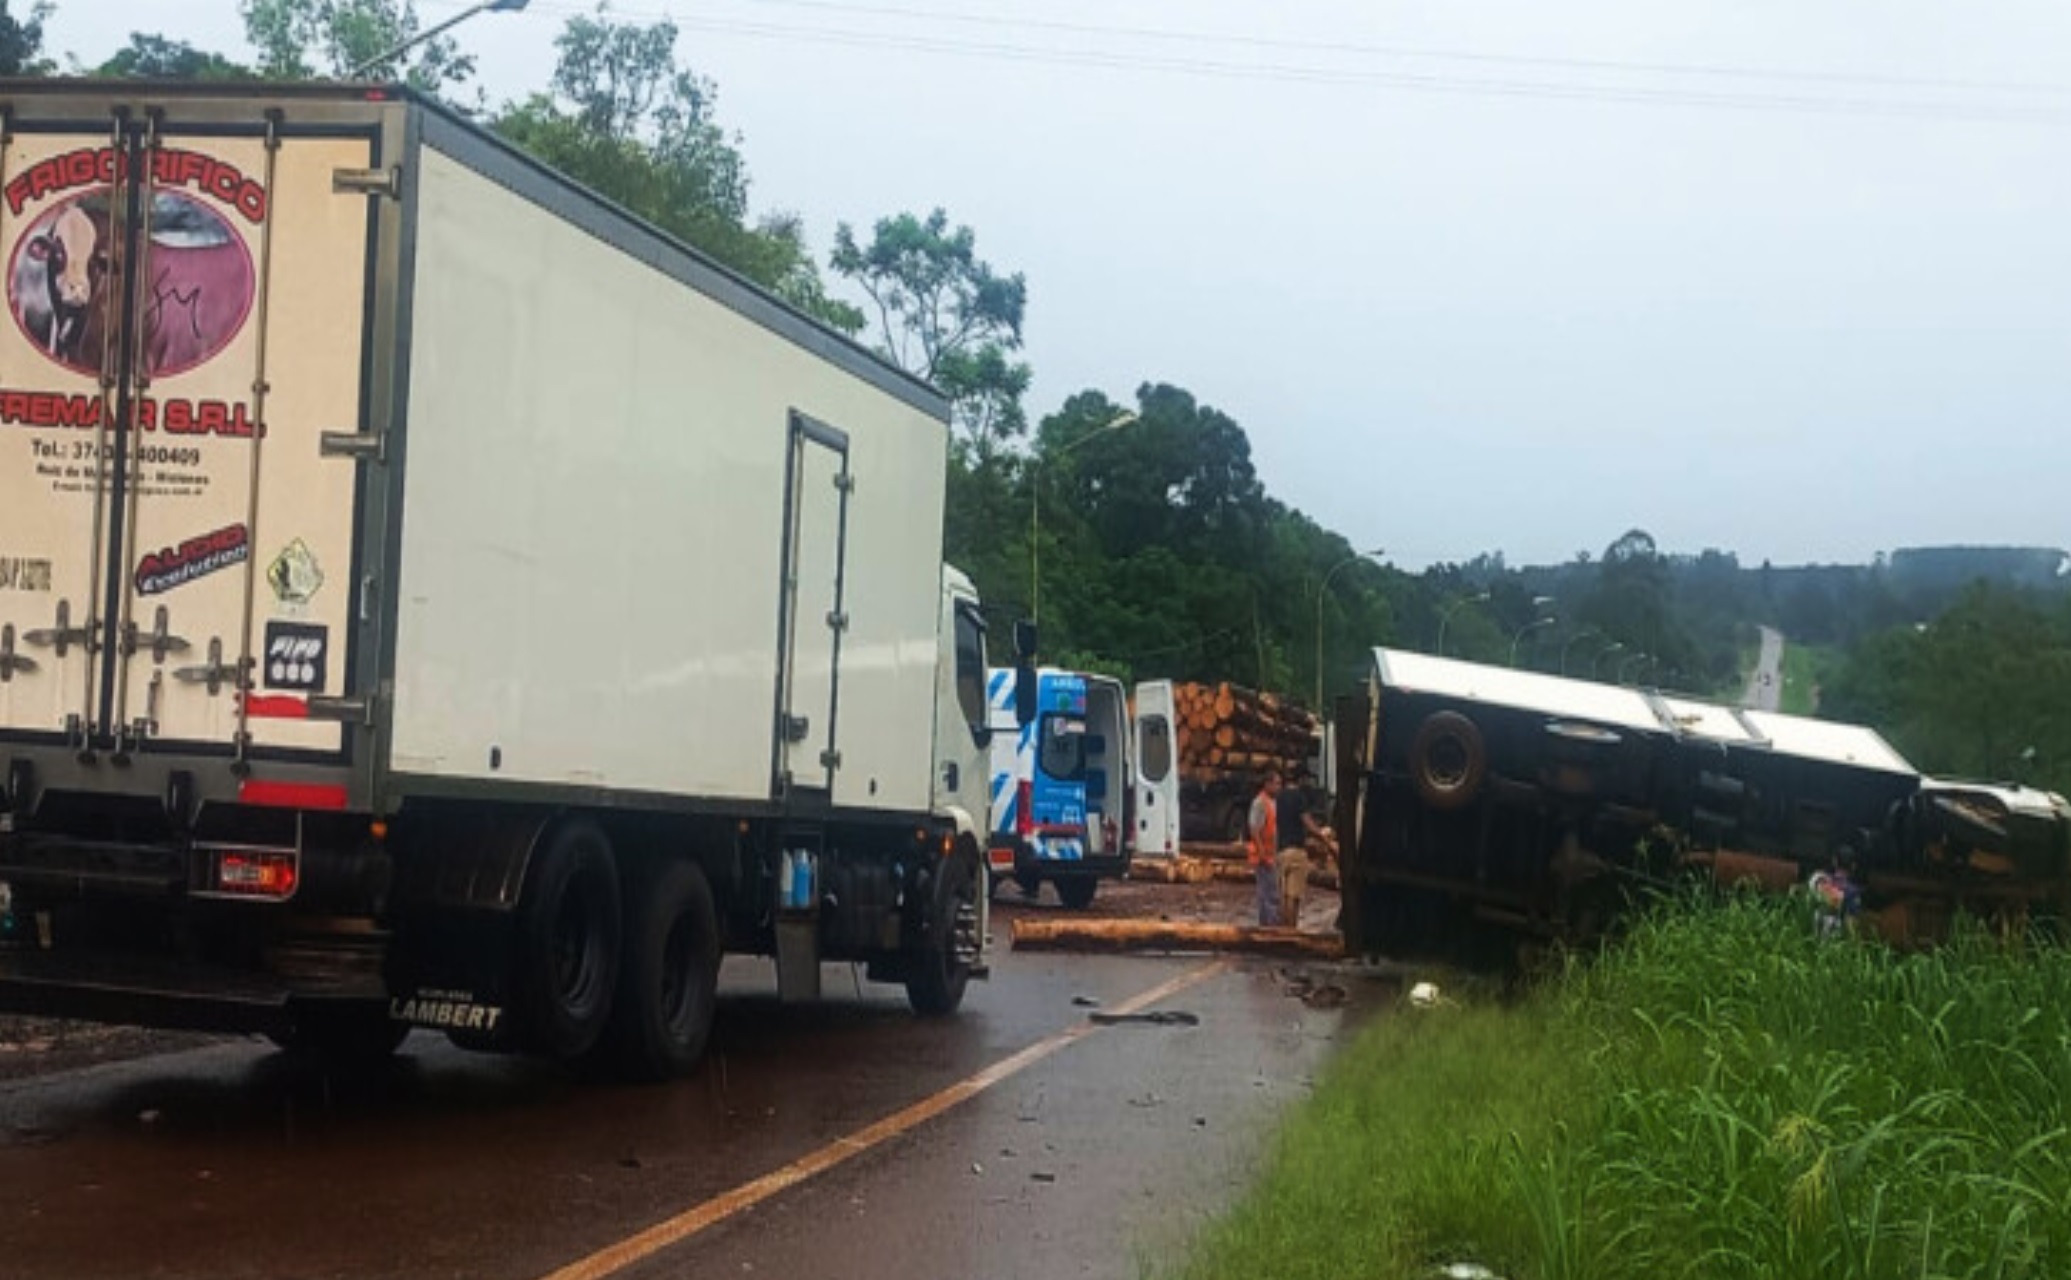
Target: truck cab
<point x="1061" y="784"/>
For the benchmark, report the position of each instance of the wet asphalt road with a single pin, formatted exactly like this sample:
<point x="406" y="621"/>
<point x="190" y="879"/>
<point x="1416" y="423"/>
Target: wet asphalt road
<point x="1097" y="1160"/>
<point x="1765" y="682"/>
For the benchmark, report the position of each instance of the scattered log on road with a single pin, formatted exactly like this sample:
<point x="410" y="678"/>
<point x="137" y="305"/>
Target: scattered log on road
<point x="1172" y="935"/>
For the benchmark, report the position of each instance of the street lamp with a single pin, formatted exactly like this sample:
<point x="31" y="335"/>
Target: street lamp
<point x="1352" y="559"/>
<point x="1534" y="625"/>
<point x="1603" y="653"/>
<point x="1446" y="615"/>
<point x="485" y="6"/>
<point x="1035" y="507"/>
<point x="1634" y="663"/>
<point x="1569" y="643"/>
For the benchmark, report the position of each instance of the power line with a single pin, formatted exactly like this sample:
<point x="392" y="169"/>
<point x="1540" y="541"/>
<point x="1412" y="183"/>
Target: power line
<point x="1328" y="76"/>
<point x="1447" y="55"/>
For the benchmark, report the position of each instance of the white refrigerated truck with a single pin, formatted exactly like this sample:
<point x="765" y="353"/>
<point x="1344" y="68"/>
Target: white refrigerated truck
<point x="431" y="596"/>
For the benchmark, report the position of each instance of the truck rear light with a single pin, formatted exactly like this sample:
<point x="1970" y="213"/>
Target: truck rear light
<point x="1024" y="808"/>
<point x="257" y="873"/>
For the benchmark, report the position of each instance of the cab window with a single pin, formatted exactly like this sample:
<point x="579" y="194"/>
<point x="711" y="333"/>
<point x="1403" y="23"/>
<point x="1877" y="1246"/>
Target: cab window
<point x="970" y="667"/>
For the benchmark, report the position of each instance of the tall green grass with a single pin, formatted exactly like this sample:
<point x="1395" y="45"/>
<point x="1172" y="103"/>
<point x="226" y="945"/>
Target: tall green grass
<point x="1724" y="1094"/>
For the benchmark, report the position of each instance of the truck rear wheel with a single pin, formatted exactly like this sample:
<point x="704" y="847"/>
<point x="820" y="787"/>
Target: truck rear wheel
<point x="1076" y="892"/>
<point x="950" y="945"/>
<point x="668" y="981"/>
<point x="567" y="942"/>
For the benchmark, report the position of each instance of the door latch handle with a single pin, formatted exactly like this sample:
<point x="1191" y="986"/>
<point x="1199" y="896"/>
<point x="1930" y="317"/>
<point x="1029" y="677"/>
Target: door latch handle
<point x="10" y="661"/>
<point x="64" y="635"/>
<point x="215" y="674"/>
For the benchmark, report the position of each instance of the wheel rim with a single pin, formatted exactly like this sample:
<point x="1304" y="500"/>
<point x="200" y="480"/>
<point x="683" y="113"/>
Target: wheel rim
<point x="578" y="946"/>
<point x="1446" y="763"/>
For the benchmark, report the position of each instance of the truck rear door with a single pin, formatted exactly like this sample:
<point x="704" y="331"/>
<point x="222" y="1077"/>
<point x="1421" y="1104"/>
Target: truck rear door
<point x="1157" y="771"/>
<point x="176" y="548"/>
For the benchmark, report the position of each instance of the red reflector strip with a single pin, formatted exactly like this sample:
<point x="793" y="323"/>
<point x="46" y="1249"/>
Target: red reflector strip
<point x="274" y="707"/>
<point x="291" y="795"/>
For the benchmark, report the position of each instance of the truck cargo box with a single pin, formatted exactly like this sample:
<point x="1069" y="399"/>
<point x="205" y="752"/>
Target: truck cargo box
<point x="487" y="484"/>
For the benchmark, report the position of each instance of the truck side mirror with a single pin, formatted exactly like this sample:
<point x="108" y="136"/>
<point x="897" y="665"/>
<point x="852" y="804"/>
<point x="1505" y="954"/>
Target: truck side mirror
<point x="1027" y="692"/>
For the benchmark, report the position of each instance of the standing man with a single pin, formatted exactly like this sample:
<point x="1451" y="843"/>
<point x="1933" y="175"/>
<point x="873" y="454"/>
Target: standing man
<point x="1291" y="860"/>
<point x="1261" y="846"/>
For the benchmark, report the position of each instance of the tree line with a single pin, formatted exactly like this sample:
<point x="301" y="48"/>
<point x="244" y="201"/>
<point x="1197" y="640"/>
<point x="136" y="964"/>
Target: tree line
<point x="1140" y="531"/>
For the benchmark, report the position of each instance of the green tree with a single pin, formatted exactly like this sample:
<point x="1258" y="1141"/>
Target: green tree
<point x="945" y="315"/>
<point x="302" y="39"/>
<point x="625" y="119"/>
<point x="157" y="57"/>
<point x="21" y="41"/>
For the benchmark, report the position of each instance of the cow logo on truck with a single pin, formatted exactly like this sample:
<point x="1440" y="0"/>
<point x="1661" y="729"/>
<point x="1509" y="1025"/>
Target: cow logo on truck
<point x="67" y="263"/>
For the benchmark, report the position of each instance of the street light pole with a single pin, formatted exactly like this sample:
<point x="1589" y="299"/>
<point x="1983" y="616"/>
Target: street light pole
<point x="1632" y="662"/>
<point x="1035" y="508"/>
<point x="486" y="6"/>
<point x="1527" y="627"/>
<point x="1352" y="559"/>
<point x="1569" y="643"/>
<point x="1446" y="615"/>
<point x="1601" y="654"/>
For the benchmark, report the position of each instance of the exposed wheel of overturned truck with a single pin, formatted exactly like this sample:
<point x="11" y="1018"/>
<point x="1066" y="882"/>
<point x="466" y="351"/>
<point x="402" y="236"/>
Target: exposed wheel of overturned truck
<point x="950" y="944"/>
<point x="668" y="977"/>
<point x="566" y="949"/>
<point x="1448" y="760"/>
<point x="343" y="1033"/>
<point x="1076" y="892"/>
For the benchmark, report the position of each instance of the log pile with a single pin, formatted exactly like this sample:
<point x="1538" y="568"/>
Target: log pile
<point x="1227" y="733"/>
<point x="1170" y="935"/>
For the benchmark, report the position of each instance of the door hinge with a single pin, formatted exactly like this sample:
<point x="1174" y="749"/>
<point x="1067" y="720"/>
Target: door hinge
<point x="837" y="621"/>
<point x="359" y="711"/>
<point x="845" y="482"/>
<point x="360" y="446"/>
<point x="830" y="759"/>
<point x="368" y="182"/>
<point x="796" y="727"/>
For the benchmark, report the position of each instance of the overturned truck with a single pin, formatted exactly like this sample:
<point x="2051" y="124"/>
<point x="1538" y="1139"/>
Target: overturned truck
<point x="1483" y="807"/>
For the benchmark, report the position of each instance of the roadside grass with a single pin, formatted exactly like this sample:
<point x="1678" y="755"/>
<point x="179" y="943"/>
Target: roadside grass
<point x="1805" y="668"/>
<point x="1723" y="1094"/>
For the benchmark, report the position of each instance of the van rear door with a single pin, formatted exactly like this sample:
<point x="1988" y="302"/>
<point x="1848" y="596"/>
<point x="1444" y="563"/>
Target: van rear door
<point x="1157" y="771"/>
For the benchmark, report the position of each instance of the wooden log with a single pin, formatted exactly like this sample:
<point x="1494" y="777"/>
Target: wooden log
<point x="1231" y="852"/>
<point x="1225" y="703"/>
<point x="1097" y="935"/>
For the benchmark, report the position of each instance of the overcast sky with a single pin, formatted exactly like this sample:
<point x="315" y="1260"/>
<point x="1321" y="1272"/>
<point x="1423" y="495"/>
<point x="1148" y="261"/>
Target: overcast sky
<point x="1474" y="274"/>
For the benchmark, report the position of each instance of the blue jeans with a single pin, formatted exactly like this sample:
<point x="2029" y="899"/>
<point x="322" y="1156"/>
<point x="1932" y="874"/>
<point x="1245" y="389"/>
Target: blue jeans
<point x="1268" y="894"/>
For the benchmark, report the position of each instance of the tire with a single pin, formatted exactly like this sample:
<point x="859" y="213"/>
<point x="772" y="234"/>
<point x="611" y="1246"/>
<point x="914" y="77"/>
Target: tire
<point x="1448" y="761"/>
<point x="355" y="1033"/>
<point x="568" y="929"/>
<point x="668" y="977"/>
<point x="939" y="974"/>
<point x="1076" y="892"/>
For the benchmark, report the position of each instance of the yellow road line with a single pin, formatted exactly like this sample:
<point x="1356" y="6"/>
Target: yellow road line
<point x="645" y="1244"/>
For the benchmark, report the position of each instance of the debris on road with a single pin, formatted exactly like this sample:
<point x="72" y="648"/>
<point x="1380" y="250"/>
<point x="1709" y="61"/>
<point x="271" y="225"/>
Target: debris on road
<point x="1155" y="1018"/>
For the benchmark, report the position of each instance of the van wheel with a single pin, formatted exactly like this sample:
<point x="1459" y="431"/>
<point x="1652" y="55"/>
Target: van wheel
<point x="950" y="943"/>
<point x="342" y="1033"/>
<point x="567" y="942"/>
<point x="1077" y="892"/>
<point x="1448" y="760"/>
<point x="668" y="981"/>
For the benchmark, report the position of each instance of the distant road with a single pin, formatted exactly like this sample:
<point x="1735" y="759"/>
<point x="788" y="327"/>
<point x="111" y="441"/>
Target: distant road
<point x="1765" y="686"/>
